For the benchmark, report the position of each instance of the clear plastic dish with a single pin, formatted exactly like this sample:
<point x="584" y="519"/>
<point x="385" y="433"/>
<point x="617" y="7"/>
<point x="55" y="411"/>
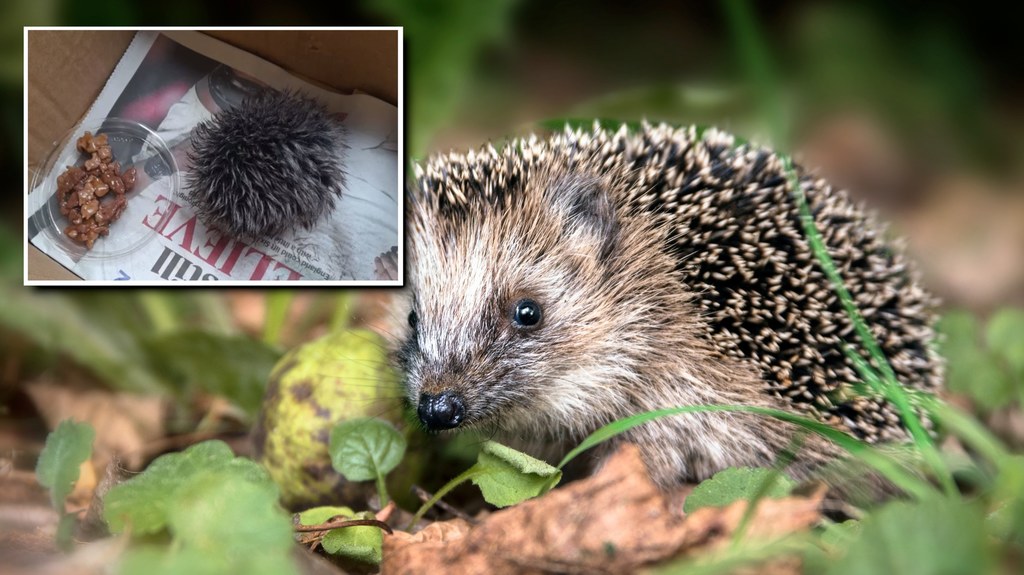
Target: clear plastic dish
<point x="134" y="145"/>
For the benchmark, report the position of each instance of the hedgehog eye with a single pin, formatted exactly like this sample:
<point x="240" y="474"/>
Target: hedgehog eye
<point x="413" y="320"/>
<point x="526" y="313"/>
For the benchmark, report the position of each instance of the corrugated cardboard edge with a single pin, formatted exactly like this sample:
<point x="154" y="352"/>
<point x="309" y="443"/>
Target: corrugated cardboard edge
<point x="38" y="265"/>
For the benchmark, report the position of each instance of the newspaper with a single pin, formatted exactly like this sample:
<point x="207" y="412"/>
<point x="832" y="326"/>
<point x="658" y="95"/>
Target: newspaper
<point x="170" y="82"/>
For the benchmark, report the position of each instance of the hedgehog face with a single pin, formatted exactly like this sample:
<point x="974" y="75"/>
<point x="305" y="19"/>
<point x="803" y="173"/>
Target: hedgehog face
<point x="518" y="312"/>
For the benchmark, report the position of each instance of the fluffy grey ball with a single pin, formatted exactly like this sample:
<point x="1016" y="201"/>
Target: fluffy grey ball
<point x="271" y="164"/>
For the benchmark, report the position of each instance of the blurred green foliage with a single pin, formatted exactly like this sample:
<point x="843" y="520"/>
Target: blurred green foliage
<point x="220" y="512"/>
<point x="986" y="360"/>
<point x="445" y="40"/>
<point x="154" y="341"/>
<point x="937" y="536"/>
<point x="919" y="77"/>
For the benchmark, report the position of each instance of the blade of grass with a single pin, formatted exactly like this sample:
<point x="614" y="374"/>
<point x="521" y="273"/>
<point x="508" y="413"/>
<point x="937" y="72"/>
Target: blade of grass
<point x="757" y="65"/>
<point x="754" y="56"/>
<point x="887" y="384"/>
<point x="879" y="461"/>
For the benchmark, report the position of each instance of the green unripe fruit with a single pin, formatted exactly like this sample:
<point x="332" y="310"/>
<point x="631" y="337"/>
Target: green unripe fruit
<point x="343" y="375"/>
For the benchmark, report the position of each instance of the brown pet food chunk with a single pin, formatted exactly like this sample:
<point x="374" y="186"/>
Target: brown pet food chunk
<point x="83" y="194"/>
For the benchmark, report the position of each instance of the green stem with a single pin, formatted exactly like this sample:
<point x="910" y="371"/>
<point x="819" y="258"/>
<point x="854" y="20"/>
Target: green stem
<point x="277" y="304"/>
<point x="342" y="311"/>
<point x="466" y="475"/>
<point x="757" y="65"/>
<point x="159" y="310"/>
<point x="382" y="490"/>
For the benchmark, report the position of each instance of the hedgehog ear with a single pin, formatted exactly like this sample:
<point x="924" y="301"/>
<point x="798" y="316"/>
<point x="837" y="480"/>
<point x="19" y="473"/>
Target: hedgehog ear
<point x="587" y="210"/>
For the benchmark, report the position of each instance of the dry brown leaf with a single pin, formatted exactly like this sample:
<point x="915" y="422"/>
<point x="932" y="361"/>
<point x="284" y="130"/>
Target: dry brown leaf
<point x="613" y="522"/>
<point x="437" y="532"/>
<point x="21" y="487"/>
<point x="124" y="422"/>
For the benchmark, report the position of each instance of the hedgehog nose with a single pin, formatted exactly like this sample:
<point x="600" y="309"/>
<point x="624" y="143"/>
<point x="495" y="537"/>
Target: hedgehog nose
<point x="441" y="411"/>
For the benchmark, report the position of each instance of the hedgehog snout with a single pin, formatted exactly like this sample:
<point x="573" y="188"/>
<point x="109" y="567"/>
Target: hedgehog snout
<point x="442" y="411"/>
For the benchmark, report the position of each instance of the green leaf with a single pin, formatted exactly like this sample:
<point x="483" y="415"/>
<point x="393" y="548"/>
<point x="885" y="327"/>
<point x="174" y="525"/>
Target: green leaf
<point x="511" y="476"/>
<point x="67" y="447"/>
<point x="1005" y="338"/>
<point x="364" y="543"/>
<point x="223" y="512"/>
<point x="145" y="501"/>
<point x="734" y="484"/>
<point x="235" y="367"/>
<point x="153" y="560"/>
<point x="323" y="514"/>
<point x="364" y="449"/>
<point x="972" y="432"/>
<point x="935" y="536"/>
<point x="220" y="511"/>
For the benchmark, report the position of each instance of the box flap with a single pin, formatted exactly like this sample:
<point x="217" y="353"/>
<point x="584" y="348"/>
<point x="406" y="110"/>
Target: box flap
<point x="366" y="60"/>
<point x="66" y="71"/>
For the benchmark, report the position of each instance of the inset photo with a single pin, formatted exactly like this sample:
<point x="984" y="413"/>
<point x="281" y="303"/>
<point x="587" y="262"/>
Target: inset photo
<point x="213" y="156"/>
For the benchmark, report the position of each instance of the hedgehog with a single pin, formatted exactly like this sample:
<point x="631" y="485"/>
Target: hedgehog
<point x="561" y="283"/>
<point x="272" y="164"/>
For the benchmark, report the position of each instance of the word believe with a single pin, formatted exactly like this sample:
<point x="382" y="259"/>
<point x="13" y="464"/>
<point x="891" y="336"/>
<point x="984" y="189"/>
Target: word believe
<point x="220" y="251"/>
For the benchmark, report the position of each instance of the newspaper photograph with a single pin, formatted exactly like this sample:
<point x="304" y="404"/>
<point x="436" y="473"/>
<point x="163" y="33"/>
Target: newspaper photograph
<point x="165" y="85"/>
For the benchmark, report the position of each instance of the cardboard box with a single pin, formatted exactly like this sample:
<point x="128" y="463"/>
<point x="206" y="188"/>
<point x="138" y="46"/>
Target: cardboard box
<point x="67" y="69"/>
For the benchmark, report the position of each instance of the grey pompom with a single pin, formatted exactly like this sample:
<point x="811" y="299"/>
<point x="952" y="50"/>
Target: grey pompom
<point x="272" y="164"/>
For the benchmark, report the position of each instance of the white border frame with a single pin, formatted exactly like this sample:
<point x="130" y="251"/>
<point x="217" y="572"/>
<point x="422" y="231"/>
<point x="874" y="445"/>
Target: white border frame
<point x="401" y="167"/>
